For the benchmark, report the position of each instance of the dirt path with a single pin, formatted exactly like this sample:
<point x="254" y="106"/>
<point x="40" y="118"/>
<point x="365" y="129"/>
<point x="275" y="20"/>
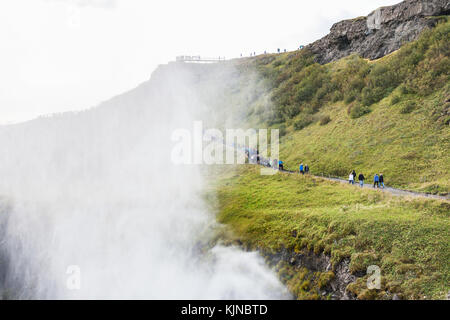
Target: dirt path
<point x="369" y="184"/>
<point x="393" y="191"/>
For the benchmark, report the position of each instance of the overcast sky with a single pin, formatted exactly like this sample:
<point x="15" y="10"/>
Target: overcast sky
<point x="61" y="55"/>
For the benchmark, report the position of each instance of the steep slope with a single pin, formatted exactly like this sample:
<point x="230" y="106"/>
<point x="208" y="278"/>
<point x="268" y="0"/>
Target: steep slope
<point x="390" y="115"/>
<point x="322" y="236"/>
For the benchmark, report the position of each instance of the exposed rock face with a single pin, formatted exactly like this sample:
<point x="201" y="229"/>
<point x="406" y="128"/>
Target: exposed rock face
<point x="381" y="32"/>
<point x="337" y="288"/>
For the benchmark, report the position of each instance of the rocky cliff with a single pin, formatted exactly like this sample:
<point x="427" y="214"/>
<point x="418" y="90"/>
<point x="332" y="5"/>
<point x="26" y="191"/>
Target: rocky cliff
<point x="381" y="32"/>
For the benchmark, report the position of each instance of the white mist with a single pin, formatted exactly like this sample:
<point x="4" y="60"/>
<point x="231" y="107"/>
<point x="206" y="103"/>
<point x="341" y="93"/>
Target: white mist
<point x="97" y="190"/>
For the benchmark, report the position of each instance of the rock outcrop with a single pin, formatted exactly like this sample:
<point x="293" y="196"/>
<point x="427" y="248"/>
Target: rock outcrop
<point x="381" y="32"/>
<point x="336" y="289"/>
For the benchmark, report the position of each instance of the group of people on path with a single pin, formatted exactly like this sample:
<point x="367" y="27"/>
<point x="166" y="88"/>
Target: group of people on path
<point x="378" y="180"/>
<point x="303" y="168"/>
<point x="254" y="157"/>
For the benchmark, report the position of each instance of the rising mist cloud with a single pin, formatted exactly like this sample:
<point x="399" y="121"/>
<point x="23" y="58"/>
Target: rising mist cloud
<point x="104" y="4"/>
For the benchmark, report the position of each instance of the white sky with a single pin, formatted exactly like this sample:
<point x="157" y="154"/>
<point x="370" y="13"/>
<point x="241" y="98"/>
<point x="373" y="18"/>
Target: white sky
<point x="61" y="55"/>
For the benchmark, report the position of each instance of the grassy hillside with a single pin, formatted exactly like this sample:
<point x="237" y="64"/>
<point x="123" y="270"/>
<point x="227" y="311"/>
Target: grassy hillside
<point x="388" y="116"/>
<point x="391" y="115"/>
<point x="408" y="239"/>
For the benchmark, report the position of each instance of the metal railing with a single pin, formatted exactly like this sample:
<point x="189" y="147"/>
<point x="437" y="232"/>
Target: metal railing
<point x="198" y="59"/>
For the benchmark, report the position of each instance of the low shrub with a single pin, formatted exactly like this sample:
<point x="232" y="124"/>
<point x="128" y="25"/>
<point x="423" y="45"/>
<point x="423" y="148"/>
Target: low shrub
<point x="278" y="63"/>
<point x="395" y="99"/>
<point x="408" y="107"/>
<point x="282" y="129"/>
<point x="350" y="98"/>
<point x="324" y="120"/>
<point x="405" y="89"/>
<point x="356" y="110"/>
<point x="303" y="122"/>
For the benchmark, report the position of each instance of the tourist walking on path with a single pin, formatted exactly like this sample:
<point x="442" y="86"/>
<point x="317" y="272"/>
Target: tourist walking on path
<point x="280" y="165"/>
<point x="376" y="180"/>
<point x="361" y="179"/>
<point x="301" y="169"/>
<point x="306" y="168"/>
<point x="381" y="179"/>
<point x="351" y="178"/>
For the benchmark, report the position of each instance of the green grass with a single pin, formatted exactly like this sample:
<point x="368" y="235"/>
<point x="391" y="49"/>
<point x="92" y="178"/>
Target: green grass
<point x="387" y="116"/>
<point x="391" y="115"/>
<point x="409" y="150"/>
<point x="408" y="238"/>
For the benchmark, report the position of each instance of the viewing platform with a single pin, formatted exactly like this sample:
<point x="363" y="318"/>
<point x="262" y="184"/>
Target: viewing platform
<point x="198" y="59"/>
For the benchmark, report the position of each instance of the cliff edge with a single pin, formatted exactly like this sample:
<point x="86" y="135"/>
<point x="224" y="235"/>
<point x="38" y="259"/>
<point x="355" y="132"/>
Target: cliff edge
<point x="381" y="32"/>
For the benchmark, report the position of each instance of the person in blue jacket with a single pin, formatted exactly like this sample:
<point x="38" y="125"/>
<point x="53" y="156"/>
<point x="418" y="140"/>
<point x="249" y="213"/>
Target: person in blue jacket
<point x="376" y="180"/>
<point x="302" y="171"/>
<point x="280" y="165"/>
